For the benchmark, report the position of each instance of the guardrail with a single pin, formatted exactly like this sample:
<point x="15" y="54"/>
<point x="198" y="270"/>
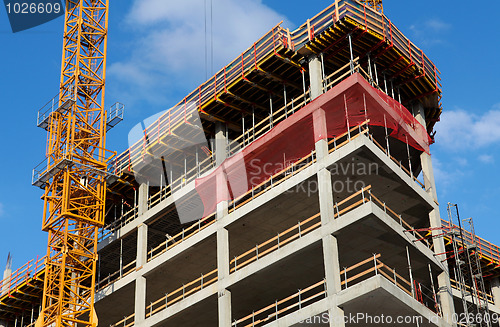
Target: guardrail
<point x="310" y="224"/>
<point x="482" y="296"/>
<point x="486" y="249"/>
<point x="21" y="275"/>
<point x="314" y="293"/>
<point x="182" y="292"/>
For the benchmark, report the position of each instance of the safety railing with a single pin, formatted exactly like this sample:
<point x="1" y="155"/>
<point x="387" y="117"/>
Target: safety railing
<point x="260" y="128"/>
<point x="181" y="293"/>
<point x="310" y="224"/>
<point x="23" y="274"/>
<point x="190" y="175"/>
<point x="366" y="18"/>
<point x="302" y="298"/>
<point x="61" y="102"/>
<point x="127" y="214"/>
<point x="127" y="321"/>
<point x="117" y="275"/>
<point x="482" y="296"/>
<point x="399" y="163"/>
<point x="180" y="237"/>
<point x="486" y="249"/>
<point x="349" y="277"/>
<point x="297" y="231"/>
<point x="374" y="266"/>
<point x="198" y="99"/>
<point x="273" y="181"/>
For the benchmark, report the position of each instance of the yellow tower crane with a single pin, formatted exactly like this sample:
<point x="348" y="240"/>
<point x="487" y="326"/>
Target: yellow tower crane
<point x="74" y="172"/>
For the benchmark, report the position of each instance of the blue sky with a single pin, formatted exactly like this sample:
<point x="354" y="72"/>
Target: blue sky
<point x="156" y="56"/>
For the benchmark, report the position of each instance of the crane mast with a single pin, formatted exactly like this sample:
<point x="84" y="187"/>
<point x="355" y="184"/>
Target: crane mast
<point x="75" y="176"/>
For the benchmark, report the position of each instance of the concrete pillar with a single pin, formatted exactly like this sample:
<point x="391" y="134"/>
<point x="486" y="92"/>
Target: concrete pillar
<point x="220" y="156"/>
<point x="140" y="281"/>
<point x="224" y="300"/>
<point x="6" y="275"/>
<point x="445" y="295"/>
<point x="315" y="77"/>
<point x="223" y="252"/>
<point x="140" y="299"/>
<point x="495" y="291"/>
<point x="220" y="143"/>
<point x="142" y="199"/>
<point x="224" y="308"/>
<point x="142" y="245"/>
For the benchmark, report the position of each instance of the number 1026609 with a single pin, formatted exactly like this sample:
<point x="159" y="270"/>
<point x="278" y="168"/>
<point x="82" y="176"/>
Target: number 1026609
<point x="33" y="8"/>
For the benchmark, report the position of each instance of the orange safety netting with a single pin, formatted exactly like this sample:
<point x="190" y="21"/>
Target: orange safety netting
<point x="348" y="104"/>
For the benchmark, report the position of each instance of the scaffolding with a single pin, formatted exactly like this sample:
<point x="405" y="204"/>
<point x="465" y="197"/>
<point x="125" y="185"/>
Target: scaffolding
<point x="468" y="272"/>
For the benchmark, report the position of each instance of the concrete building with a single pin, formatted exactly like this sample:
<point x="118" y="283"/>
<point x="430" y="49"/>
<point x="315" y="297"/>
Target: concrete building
<point x="286" y="191"/>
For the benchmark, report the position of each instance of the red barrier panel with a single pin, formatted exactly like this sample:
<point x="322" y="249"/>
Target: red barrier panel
<point x="346" y="105"/>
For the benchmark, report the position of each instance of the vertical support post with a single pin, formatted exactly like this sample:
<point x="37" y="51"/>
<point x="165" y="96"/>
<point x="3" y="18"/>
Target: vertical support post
<point x="220" y="156"/>
<point x="352" y="56"/>
<point x="224" y="301"/>
<point x="445" y="295"/>
<point x="270" y="111"/>
<point x="410" y="272"/>
<point x="329" y="242"/>
<point x="140" y="281"/>
<point x="143" y="198"/>
<point x="142" y="245"/>
<point x="140" y="300"/>
<point x="315" y="77"/>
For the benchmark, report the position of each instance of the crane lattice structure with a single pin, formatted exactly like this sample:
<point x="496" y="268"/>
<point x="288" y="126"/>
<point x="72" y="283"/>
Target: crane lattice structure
<point x="468" y="271"/>
<point x="75" y="173"/>
<point x="375" y="4"/>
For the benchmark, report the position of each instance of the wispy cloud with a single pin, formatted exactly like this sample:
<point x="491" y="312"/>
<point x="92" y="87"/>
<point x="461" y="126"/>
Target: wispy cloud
<point x="431" y="31"/>
<point x="460" y="130"/>
<point x="166" y="54"/>
<point x="486" y="158"/>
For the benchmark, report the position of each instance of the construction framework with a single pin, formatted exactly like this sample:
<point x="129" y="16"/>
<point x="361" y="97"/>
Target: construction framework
<point x="270" y="85"/>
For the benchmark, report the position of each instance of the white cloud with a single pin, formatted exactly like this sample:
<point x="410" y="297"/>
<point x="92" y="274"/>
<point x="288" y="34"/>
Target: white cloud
<point x="168" y="39"/>
<point x="437" y="25"/>
<point x="430" y="32"/>
<point x="486" y="158"/>
<point x="460" y="130"/>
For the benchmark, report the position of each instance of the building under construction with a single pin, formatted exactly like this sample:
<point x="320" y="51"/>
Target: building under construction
<point x="294" y="187"/>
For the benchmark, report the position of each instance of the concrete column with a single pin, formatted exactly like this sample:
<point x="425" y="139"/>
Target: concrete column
<point x="495" y="290"/>
<point x="142" y="199"/>
<point x="6" y="274"/>
<point x="220" y="156"/>
<point x="224" y="308"/>
<point x="315" y="77"/>
<point x="224" y="301"/>
<point x="140" y="299"/>
<point x="222" y="252"/>
<point x="445" y="295"/>
<point x="140" y="281"/>
<point x="220" y="143"/>
<point x="142" y="245"/>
